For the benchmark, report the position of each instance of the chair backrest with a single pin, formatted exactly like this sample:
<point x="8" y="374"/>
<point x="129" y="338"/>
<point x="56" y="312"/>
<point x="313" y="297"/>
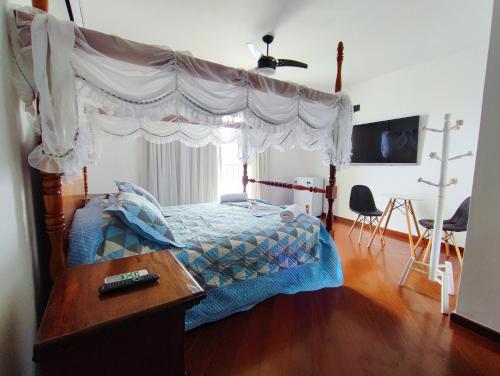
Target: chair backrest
<point x="461" y="216"/>
<point x="361" y="199"/>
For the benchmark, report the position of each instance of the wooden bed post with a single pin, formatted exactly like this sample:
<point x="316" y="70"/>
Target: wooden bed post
<point x="340" y="59"/>
<point x="40" y="4"/>
<point x="55" y="225"/>
<point x="331" y="189"/>
<point x="85" y="184"/>
<point x="244" y="180"/>
<point x="52" y="201"/>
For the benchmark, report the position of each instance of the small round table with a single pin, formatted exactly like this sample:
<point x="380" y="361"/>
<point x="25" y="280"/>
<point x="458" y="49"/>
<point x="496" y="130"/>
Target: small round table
<point x="402" y="203"/>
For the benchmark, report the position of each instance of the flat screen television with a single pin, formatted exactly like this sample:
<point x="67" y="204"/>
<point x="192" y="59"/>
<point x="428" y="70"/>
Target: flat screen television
<point x="390" y="141"/>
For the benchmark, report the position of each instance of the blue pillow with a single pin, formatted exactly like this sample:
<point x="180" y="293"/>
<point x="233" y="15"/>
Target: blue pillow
<point x="132" y="188"/>
<point x="85" y="235"/>
<point x="144" y="218"/>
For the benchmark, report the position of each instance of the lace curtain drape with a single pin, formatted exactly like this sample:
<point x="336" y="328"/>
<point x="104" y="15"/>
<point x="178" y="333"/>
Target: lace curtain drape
<point x="80" y="75"/>
<point x="177" y="174"/>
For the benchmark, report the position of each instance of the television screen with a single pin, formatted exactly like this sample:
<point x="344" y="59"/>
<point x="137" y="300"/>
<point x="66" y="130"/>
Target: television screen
<point x="389" y="141"/>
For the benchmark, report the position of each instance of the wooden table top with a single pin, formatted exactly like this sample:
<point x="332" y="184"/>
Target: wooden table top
<point x="402" y="196"/>
<point x="75" y="306"/>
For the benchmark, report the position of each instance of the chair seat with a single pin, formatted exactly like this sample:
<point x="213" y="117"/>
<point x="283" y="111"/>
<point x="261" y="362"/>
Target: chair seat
<point x="447" y="225"/>
<point x="372" y="213"/>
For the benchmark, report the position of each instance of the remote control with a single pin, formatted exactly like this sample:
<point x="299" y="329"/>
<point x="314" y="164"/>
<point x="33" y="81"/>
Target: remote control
<point x="124" y="276"/>
<point x="126" y="283"/>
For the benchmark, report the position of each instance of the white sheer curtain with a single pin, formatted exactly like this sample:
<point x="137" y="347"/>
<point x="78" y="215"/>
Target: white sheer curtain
<point x="163" y="95"/>
<point x="259" y="169"/>
<point x="231" y="172"/>
<point x="177" y="174"/>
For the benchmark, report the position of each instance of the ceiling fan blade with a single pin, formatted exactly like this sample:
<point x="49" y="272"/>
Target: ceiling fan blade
<point x="291" y="63"/>
<point x="254" y="50"/>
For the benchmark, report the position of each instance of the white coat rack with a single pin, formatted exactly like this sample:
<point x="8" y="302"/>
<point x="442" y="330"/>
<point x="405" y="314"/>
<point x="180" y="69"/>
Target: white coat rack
<point x="439" y="273"/>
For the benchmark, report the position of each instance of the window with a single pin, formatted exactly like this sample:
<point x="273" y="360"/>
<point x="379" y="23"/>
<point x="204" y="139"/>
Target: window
<point x="231" y="169"/>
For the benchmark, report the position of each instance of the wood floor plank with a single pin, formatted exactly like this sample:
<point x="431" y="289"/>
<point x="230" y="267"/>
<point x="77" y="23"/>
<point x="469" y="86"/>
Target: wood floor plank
<point x="369" y="326"/>
<point x="249" y="355"/>
<point x="277" y="344"/>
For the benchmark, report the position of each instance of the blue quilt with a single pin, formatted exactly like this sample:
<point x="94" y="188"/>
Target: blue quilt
<point x="226" y="300"/>
<point x="237" y="258"/>
<point x="225" y="244"/>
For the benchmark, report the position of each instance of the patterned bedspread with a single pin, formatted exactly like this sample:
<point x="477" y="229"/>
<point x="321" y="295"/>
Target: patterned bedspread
<point x="224" y="244"/>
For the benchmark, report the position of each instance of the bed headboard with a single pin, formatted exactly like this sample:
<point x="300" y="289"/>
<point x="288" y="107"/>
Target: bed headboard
<point x="61" y="198"/>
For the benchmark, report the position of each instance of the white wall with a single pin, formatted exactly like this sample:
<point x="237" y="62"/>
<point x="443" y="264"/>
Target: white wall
<point x="479" y="297"/>
<point x="17" y="297"/>
<point x="454" y="84"/>
<point x="120" y="160"/>
<point x="287" y="165"/>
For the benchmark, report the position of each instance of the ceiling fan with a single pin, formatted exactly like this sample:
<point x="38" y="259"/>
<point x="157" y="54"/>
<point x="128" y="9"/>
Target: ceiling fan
<point x="267" y="64"/>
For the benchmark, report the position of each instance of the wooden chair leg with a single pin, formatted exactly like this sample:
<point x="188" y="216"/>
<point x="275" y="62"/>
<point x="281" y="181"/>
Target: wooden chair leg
<point x="374" y="228"/>
<point x="417" y="243"/>
<point x="354" y="224"/>
<point x="429" y="245"/>
<point x="379" y="225"/>
<point x="446" y="244"/>
<point x="361" y="230"/>
<point x="380" y="231"/>
<point x="457" y="249"/>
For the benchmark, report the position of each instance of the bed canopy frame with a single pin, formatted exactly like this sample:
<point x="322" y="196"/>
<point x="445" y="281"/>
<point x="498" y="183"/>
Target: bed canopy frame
<point x="330" y="190"/>
<point x="63" y="196"/>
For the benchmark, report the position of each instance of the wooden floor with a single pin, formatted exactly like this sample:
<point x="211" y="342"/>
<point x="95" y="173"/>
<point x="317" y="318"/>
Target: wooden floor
<point x="369" y="326"/>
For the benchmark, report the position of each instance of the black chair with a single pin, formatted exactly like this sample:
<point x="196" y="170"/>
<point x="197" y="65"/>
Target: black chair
<point x="457" y="223"/>
<point x="362" y="203"/>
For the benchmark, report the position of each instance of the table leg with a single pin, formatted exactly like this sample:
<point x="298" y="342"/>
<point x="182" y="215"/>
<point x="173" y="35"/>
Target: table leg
<point x="410" y="235"/>
<point x="389" y="214"/>
<point x="379" y="223"/>
<point x="381" y="233"/>
<point x="414" y="217"/>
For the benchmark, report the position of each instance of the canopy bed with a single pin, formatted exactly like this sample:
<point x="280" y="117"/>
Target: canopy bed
<point x="79" y="82"/>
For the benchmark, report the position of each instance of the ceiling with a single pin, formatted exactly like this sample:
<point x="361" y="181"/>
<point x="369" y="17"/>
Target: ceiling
<point x="379" y="36"/>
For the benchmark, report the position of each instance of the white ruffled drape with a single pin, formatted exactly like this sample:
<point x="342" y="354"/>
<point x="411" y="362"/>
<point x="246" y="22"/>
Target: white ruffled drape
<point x="161" y="95"/>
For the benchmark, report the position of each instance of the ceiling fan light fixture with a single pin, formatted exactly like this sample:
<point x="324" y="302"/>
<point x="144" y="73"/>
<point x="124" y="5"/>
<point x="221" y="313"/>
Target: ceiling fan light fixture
<point x="267" y="64"/>
<point x="268" y="71"/>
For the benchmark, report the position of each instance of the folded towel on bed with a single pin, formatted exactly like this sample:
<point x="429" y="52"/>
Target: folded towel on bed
<point x="291" y="212"/>
<point x="260" y="210"/>
<point x="234" y="197"/>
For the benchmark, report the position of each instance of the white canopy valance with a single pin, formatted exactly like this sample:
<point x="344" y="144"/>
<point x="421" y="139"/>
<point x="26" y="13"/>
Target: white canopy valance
<point x="87" y="82"/>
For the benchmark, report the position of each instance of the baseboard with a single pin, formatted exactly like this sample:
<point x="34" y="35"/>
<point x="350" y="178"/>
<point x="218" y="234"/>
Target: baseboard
<point x="475" y="327"/>
<point x="392" y="233"/>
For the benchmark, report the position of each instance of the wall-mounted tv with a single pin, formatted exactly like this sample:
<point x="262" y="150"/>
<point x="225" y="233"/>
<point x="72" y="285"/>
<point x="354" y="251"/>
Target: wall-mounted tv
<point x="390" y="141"/>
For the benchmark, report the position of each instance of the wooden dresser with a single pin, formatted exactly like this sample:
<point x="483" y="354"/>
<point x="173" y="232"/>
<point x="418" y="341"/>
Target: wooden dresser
<point x="130" y="332"/>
